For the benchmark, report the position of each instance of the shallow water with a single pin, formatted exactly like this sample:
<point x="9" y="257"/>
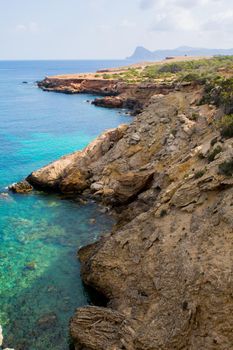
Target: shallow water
<point x="40" y="285"/>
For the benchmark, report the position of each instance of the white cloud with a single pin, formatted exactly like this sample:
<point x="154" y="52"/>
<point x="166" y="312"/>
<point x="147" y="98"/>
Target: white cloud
<point x="148" y="4"/>
<point x="175" y="21"/>
<point x="199" y="16"/>
<point x="31" y="27"/>
<point x="20" y="28"/>
<point x="127" y="24"/>
<point x="124" y="24"/>
<point x="222" y="21"/>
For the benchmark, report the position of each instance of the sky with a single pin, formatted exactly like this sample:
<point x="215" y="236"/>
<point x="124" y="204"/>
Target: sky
<point x="110" y="29"/>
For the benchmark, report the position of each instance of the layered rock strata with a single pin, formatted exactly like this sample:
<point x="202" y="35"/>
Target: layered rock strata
<point x="116" y="93"/>
<point x="166" y="269"/>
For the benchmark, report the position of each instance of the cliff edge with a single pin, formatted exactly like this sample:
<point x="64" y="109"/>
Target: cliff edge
<point x="166" y="269"/>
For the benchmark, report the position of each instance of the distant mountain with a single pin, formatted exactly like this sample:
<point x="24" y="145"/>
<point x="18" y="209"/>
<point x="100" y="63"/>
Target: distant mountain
<point x="141" y="53"/>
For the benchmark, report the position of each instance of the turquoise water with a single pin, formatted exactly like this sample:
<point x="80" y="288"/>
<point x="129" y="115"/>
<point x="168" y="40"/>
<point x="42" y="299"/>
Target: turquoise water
<point x="40" y="285"/>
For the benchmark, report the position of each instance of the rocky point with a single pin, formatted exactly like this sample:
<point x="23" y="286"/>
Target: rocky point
<point x="166" y="268"/>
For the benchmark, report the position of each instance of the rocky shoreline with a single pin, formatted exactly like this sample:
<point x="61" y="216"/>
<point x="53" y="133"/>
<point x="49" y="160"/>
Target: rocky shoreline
<point x="166" y="268"/>
<point x="115" y="93"/>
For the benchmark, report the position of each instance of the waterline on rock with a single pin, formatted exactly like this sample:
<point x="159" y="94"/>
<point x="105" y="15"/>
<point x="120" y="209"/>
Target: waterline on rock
<point x="39" y="234"/>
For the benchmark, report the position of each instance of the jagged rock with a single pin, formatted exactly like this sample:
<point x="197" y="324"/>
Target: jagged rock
<point x="97" y="186"/>
<point x="109" y="102"/>
<point x="186" y="195"/>
<point x="71" y="173"/>
<point x="21" y="187"/>
<point x="97" y="328"/>
<point x="135" y="138"/>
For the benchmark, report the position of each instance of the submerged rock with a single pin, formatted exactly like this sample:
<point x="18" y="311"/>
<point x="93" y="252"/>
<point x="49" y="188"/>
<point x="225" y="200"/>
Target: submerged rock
<point x="30" y="266"/>
<point x="47" y="321"/>
<point x="5" y="196"/>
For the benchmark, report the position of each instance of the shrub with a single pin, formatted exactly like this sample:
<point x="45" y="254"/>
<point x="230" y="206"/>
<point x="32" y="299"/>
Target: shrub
<point x="214" y="141"/>
<point x="226" y="126"/>
<point x="199" y="174"/>
<point x="194" y="116"/>
<point x="163" y="213"/>
<point x="107" y="76"/>
<point x="213" y="154"/>
<point x="201" y="156"/>
<point x="219" y="91"/>
<point x="226" y="168"/>
<point x="194" y="77"/>
<point x="170" y="68"/>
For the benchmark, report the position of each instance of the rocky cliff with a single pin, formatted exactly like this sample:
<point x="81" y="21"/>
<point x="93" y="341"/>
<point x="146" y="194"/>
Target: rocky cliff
<point x="115" y="93"/>
<point x="166" y="269"/>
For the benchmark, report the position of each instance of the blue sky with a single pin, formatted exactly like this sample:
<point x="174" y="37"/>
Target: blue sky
<point x="92" y="29"/>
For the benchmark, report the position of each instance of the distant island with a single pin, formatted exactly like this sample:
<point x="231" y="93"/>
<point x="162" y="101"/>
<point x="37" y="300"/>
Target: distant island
<point x="142" y="53"/>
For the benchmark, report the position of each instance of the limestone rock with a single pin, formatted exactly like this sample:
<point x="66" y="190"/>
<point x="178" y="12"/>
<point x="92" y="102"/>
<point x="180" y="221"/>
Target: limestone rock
<point x="166" y="268"/>
<point x="109" y="102"/>
<point x="97" y="328"/>
<point x="135" y="138"/>
<point x="21" y="187"/>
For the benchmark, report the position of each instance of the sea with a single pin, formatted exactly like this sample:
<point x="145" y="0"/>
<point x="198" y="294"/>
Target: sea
<point x="40" y="284"/>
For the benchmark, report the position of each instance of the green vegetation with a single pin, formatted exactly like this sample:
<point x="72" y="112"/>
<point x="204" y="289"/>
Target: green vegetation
<point x="214" y="141"/>
<point x="202" y="71"/>
<point x="219" y="91"/>
<point x="163" y="213"/>
<point x="226" y="126"/>
<point x="194" y="116"/>
<point x="226" y="168"/>
<point x="199" y="174"/>
<point x="215" y="74"/>
<point x="107" y="76"/>
<point x="213" y="154"/>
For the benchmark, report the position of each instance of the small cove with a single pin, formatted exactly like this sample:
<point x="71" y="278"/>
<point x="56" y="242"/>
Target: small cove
<point x="40" y="284"/>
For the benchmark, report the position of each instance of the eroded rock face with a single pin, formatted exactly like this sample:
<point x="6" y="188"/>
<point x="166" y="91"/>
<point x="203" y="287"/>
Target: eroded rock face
<point x="96" y="327"/>
<point x="110" y="102"/>
<point x="21" y="187"/>
<point x="71" y="174"/>
<point x="168" y="271"/>
<point x="170" y="276"/>
<point x="116" y="93"/>
<point x="74" y="85"/>
<point x="166" y="268"/>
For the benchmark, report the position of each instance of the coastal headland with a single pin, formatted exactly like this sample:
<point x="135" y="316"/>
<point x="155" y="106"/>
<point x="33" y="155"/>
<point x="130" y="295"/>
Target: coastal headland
<point x="165" y="270"/>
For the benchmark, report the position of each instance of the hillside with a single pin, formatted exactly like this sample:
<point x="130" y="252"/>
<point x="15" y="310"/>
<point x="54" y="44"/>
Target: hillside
<point x="142" y="53"/>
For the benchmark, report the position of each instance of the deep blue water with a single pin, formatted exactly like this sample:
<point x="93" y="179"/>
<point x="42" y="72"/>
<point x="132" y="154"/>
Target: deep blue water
<point x="40" y="285"/>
